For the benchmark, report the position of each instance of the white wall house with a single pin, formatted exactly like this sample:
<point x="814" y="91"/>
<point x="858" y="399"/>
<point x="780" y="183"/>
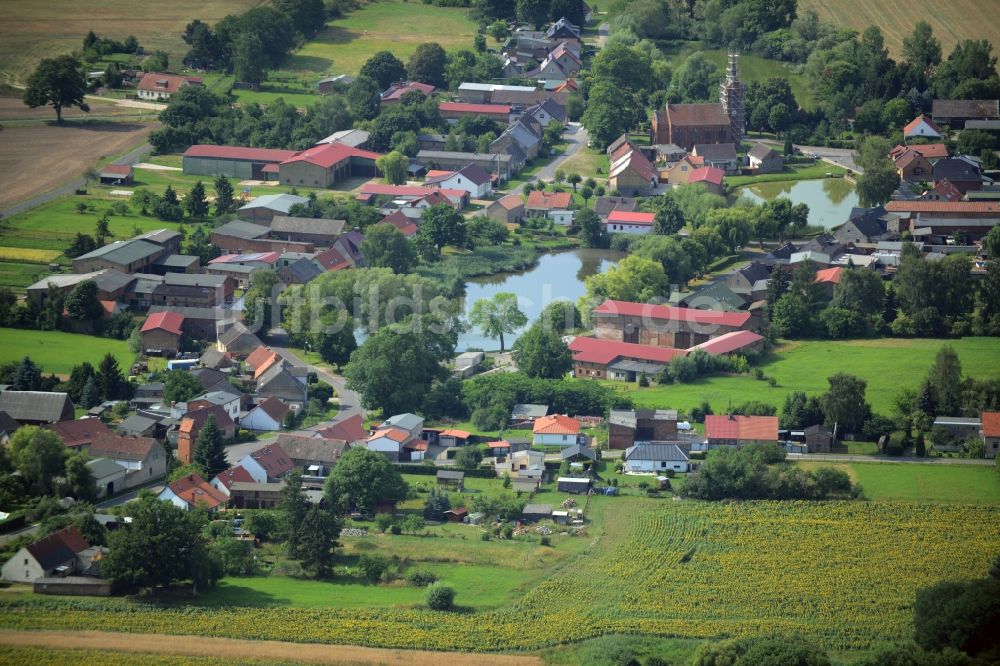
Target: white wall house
<point x="655" y="458"/>
<point x="624" y="222"/>
<point x="556" y="430"/>
<point x="389" y="442"/>
<point x="474" y="180"/>
<point x="269" y="415"/>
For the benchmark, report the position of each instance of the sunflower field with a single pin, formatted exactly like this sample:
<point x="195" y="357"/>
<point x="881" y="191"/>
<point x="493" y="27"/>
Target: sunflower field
<point x="844" y="573"/>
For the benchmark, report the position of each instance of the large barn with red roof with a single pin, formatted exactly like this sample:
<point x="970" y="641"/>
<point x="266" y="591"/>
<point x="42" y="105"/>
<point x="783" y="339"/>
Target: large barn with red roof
<point x="663" y="325"/>
<point x="162" y="332"/>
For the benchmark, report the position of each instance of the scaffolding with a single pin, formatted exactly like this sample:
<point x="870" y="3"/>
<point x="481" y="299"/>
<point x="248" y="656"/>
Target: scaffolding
<point x="731" y="98"/>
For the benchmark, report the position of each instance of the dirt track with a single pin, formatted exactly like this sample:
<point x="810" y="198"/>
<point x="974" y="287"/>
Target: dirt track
<point x="265" y="651"/>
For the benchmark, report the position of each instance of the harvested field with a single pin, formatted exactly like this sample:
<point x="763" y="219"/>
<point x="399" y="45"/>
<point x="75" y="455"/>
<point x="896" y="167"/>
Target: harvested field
<point x="952" y="20"/>
<point x="70" y="147"/>
<point x="31" y="31"/>
<point x="265" y="651"/>
<point x="13" y="109"/>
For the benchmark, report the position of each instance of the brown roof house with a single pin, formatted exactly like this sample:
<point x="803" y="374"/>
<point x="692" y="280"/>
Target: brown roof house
<point x="555" y="205"/>
<point x="688" y="124"/>
<point x="764" y="159"/>
<point x="285" y="381"/>
<point x="193" y="422"/>
<point x="508" y="209"/>
<point x="81" y="432"/>
<point x="56" y="554"/>
<point x="315" y="456"/>
<point x="269" y="414"/>
<point x="268" y="464"/>
<point x="144" y="458"/>
<point x="632" y="174"/>
<point x="955" y="112"/>
<point x="192" y="492"/>
<point x="158" y="87"/>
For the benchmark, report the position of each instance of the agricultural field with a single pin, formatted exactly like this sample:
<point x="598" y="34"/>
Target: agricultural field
<point x="887" y="364"/>
<point x="71" y="146"/>
<point x="913" y="482"/>
<point x="952" y="20"/>
<point x="744" y="568"/>
<point x="390" y="25"/>
<point x="35" y="30"/>
<point x="56" y="352"/>
<point x="13" y="111"/>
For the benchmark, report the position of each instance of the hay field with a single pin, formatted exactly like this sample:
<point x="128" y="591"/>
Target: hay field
<point x="32" y="30"/>
<point x="952" y="20"/>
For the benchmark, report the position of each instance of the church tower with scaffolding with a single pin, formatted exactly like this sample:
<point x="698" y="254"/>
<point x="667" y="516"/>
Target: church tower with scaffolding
<point x="731" y="98"/>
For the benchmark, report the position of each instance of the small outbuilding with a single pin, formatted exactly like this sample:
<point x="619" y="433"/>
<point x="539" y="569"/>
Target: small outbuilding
<point x="454" y="478"/>
<point x="573" y="485"/>
<point x="456" y="515"/>
<point x="116" y="174"/>
<point x="535" y="512"/>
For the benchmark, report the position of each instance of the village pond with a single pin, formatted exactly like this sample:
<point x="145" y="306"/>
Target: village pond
<point x="830" y="200"/>
<point x="556" y="276"/>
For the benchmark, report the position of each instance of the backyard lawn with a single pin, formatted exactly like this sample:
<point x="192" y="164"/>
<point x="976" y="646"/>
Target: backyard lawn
<point x="887" y="364"/>
<point x="57" y="352"/>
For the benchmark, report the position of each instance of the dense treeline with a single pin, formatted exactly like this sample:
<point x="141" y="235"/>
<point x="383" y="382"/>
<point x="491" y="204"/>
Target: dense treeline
<point x="759" y="471"/>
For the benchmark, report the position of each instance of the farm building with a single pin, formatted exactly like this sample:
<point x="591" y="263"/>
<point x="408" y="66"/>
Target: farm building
<point x="577" y="453"/>
<point x="662" y="325"/>
<point x="508" y="209"/>
<point x="143" y="458"/>
<point x="535" y="512"/>
<point x="572" y="485"/>
<point x="253" y="495"/>
<point x="499" y="164"/>
<point x="234" y="161"/>
<point x="554" y="205"/>
<point x="818" y="439"/>
<point x="956" y="112"/>
<point x="319" y="231"/>
<point x="36" y="407"/>
<point x="395" y="92"/>
<point x="710" y="177"/>
<point x="523" y="415"/>
<point x="595" y="358"/>
<point x="116" y="174"/>
<point x="456" y="515"/>
<point x="991" y="433"/>
<point x="127" y="256"/>
<point x="264" y="208"/>
<point x="632" y="173"/>
<point x="327" y="164"/>
<point x="626" y="427"/>
<point x="655" y="457"/>
<point x="453" y="111"/>
<point x="161" y="333"/>
<point x="738" y="430"/>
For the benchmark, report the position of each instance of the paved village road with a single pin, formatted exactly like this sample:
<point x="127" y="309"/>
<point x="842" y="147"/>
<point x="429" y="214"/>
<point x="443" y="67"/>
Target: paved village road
<point x="576" y="138"/>
<point x="843" y="157"/>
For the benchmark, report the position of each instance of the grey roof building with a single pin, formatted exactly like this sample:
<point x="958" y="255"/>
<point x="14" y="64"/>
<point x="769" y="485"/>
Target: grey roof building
<point x="36" y="407"/>
<point x="129" y="256"/>
<point x="241" y="229"/>
<point x="656" y="452"/>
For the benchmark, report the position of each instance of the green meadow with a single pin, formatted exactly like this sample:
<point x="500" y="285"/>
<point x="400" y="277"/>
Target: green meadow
<point x="57" y="352"/>
<point x="887" y="364"/>
<point x="923" y="482"/>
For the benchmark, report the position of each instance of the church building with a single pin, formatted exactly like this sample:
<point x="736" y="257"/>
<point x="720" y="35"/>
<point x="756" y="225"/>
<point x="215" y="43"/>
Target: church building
<point x="685" y="125"/>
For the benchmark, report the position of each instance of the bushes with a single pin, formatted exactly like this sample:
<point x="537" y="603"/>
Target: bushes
<point x="440" y="597"/>
<point x="421" y="578"/>
<point x="699" y="363"/>
<point x="374" y="568"/>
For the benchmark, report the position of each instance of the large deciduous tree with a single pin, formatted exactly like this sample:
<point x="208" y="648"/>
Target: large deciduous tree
<point x="393" y="167"/>
<point x="163" y="544"/>
<point x="57" y="82"/>
<point x="844" y="403"/>
<point x="40" y="456"/>
<point x="540" y="352"/>
<point x="385" y="246"/>
<point x="362" y="480"/>
<point x="497" y="316"/>
<point x="427" y="65"/>
<point x="384" y="68"/>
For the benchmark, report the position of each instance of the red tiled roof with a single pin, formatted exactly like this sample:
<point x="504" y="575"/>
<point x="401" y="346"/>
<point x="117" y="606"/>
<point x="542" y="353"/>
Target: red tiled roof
<point x="233" y="474"/>
<point x="991" y="424"/>
<point x="946" y="190"/>
<point x="670" y="313"/>
<point x="728" y="342"/>
<point x="829" y="275"/>
<point x="195" y="419"/>
<point x="329" y="154"/>
<point x="594" y="350"/>
<point x="395" y="434"/>
<point x="631" y="218"/>
<point x="350" y="429"/>
<point x="273" y="459"/>
<point x="332" y="260"/>
<point x="928" y="150"/>
<point x="943" y="207"/>
<point x="272" y="155"/>
<point x="166" y="321"/>
<point x="557" y="424"/>
<point x="399" y="220"/>
<point x="168" y="83"/>
<point x="913" y="124"/>
<point x="707" y="175"/>
<point x="510" y="202"/>
<point x="633" y="160"/>
<point x="195" y="490"/>
<point x="697" y="114"/>
<point x="396" y="190"/>
<point x="266" y="364"/>
<point x="80" y="432"/>
<point x="481" y="109"/>
<point x="117" y="169"/>
<point x="549" y="200"/>
<point x="257" y="356"/>
<point x="396" y="91"/>
<point x="904" y="159"/>
<point x="745" y="428"/>
<point x="499" y="444"/>
<point x="457" y="434"/>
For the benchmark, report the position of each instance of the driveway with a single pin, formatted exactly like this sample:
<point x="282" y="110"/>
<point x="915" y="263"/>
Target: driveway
<point x="602" y="35"/>
<point x="576" y="138"/>
<point x="842" y="157"/>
